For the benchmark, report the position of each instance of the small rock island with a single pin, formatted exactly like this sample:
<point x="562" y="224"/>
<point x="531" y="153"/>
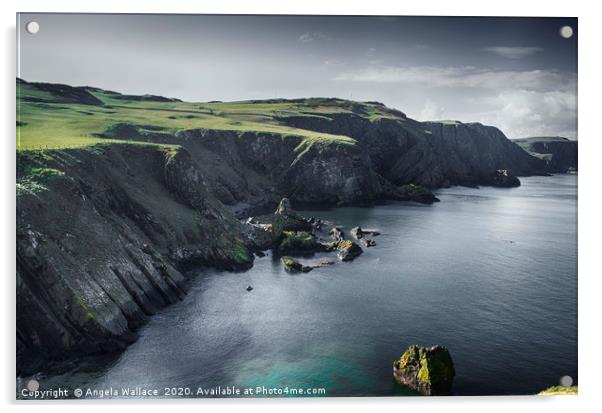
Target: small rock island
<point x="428" y="370"/>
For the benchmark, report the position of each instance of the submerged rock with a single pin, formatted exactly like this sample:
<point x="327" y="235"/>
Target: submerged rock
<point x="368" y="242"/>
<point x="249" y="288"/>
<point x="372" y="232"/>
<point x="428" y="370"/>
<point x="324" y="263"/>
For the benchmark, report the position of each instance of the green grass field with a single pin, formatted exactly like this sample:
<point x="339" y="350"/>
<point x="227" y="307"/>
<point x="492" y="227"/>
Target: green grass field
<point x="50" y="120"/>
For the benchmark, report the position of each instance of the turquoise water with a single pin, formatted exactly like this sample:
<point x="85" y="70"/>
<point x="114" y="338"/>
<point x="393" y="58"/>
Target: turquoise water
<point x="490" y="273"/>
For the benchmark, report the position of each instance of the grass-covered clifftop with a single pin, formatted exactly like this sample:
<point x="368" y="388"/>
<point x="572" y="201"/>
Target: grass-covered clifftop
<point x="383" y="142"/>
<point x="60" y="116"/>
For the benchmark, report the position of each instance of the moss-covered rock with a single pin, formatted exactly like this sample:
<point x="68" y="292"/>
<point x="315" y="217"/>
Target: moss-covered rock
<point x="416" y="193"/>
<point x="282" y="223"/>
<point x="298" y="242"/>
<point x="292" y="265"/>
<point x="240" y="254"/>
<point x="348" y="250"/>
<point x="429" y="370"/>
<point x="560" y="391"/>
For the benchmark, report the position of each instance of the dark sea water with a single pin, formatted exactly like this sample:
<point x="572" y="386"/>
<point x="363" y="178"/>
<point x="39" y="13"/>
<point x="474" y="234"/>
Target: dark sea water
<point x="490" y="273"/>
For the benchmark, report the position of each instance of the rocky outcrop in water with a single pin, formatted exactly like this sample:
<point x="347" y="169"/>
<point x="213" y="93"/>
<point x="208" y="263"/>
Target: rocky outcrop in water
<point x="292" y="265"/>
<point x="503" y="179"/>
<point x="336" y="233"/>
<point x="285" y="208"/>
<point x="301" y="242"/>
<point x="416" y="193"/>
<point x="346" y="250"/>
<point x="428" y="370"/>
<point x="559" y="154"/>
<point x="361" y="235"/>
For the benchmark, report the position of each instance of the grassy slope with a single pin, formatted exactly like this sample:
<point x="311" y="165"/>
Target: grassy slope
<point x="47" y="123"/>
<point x="560" y="391"/>
<point x="526" y="143"/>
<point x="541" y="139"/>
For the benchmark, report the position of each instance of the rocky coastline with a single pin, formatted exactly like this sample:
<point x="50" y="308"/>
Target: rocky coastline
<point x="107" y="233"/>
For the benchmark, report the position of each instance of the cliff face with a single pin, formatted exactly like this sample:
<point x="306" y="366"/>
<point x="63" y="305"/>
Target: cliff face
<point x="432" y="154"/>
<point x="559" y="154"/>
<point x="262" y="168"/>
<point x="103" y="236"/>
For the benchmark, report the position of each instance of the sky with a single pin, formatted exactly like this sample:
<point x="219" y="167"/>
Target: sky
<point x="518" y="74"/>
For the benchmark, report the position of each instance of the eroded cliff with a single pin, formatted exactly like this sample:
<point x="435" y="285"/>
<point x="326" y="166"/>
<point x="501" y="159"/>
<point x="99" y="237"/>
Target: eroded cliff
<point x="559" y="154"/>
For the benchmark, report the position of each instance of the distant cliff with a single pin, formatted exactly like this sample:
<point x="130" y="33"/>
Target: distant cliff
<point x="432" y="154"/>
<point x="559" y="154"/>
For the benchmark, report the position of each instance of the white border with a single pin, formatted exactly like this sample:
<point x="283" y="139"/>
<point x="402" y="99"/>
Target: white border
<point x="589" y="175"/>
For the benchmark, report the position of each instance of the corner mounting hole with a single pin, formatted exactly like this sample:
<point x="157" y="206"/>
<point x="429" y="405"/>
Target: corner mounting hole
<point x="32" y="27"/>
<point x="566" y="32"/>
<point x="566" y="381"/>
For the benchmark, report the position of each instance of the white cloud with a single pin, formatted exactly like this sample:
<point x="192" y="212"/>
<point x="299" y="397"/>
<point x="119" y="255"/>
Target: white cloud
<point x="467" y="76"/>
<point x="333" y="62"/>
<point x="513" y="52"/>
<point x="431" y="111"/>
<point x="312" y="36"/>
<point x="520" y="102"/>
<point x="523" y="113"/>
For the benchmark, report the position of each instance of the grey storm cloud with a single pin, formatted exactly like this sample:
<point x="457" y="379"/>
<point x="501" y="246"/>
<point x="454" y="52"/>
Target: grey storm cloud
<point x="311" y="37"/>
<point x="513" y="52"/>
<point x="468" y="76"/>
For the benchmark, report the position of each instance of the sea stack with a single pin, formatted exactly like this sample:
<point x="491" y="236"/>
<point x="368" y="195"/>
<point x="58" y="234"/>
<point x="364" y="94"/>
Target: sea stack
<point x="428" y="370"/>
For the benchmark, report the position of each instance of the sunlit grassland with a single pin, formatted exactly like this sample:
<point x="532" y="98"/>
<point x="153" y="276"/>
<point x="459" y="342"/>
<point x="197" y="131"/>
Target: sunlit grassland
<point x="43" y="122"/>
<point x="60" y="125"/>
